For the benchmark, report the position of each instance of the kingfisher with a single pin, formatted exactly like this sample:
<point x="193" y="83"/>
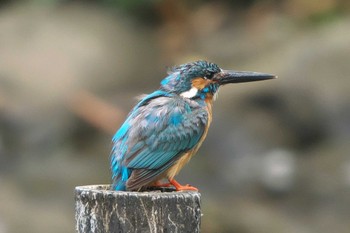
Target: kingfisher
<point x="167" y="127"/>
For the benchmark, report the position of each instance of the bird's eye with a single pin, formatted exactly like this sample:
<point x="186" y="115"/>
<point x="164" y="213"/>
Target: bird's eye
<point x="209" y="75"/>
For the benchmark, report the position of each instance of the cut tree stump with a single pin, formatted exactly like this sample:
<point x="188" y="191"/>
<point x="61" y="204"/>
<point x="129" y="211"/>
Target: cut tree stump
<point x="99" y="209"/>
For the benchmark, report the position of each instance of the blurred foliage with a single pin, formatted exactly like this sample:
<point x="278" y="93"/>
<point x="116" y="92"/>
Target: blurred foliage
<point x="316" y="12"/>
<point x="327" y="16"/>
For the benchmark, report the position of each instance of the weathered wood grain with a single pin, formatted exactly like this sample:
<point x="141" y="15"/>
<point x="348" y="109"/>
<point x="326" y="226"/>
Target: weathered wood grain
<point x="99" y="209"/>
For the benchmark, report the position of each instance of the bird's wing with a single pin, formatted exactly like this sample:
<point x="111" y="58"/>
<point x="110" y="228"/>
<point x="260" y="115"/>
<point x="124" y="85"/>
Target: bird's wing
<point x="163" y="129"/>
<point x="161" y="138"/>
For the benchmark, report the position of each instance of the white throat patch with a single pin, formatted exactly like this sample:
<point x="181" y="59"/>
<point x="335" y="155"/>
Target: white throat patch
<point x="190" y="93"/>
<point x="216" y="94"/>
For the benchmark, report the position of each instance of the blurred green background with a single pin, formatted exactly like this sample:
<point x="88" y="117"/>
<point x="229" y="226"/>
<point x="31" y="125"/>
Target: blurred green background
<point x="277" y="156"/>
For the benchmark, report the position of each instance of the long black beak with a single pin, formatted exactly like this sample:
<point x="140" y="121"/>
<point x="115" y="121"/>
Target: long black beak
<point x="231" y="76"/>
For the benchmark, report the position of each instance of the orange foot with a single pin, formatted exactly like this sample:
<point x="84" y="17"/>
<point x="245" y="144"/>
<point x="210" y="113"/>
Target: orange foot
<point x="180" y="187"/>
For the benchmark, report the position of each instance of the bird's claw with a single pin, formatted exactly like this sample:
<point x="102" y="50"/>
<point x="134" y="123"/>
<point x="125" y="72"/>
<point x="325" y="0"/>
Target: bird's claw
<point x="180" y="187"/>
<point x="186" y="187"/>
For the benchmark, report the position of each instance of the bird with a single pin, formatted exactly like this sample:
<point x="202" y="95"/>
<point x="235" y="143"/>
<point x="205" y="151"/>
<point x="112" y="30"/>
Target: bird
<point x="167" y="127"/>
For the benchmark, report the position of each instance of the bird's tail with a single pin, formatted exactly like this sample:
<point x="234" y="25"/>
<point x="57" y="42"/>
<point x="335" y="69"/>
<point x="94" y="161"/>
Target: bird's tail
<point x="120" y="174"/>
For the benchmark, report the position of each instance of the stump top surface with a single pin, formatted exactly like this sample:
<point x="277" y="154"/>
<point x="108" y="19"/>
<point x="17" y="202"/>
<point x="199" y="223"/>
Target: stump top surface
<point x="104" y="189"/>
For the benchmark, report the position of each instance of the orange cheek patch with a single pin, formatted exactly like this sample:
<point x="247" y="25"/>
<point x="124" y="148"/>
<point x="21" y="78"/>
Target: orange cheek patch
<point x="200" y="83"/>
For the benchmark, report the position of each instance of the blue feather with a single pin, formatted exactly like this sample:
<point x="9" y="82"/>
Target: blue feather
<point x="165" y="81"/>
<point x="157" y="93"/>
<point x="176" y="118"/>
<point x="121" y="132"/>
<point x="125" y="173"/>
<point x="121" y="186"/>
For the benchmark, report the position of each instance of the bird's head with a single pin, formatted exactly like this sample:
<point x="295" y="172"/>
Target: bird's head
<point x="202" y="79"/>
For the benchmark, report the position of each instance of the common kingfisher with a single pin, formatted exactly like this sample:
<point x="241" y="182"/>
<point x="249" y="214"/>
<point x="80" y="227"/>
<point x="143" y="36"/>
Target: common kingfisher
<point x="167" y="127"/>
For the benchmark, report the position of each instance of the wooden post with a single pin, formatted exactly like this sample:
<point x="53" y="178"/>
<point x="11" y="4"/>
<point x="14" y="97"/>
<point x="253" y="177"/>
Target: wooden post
<point x="99" y="210"/>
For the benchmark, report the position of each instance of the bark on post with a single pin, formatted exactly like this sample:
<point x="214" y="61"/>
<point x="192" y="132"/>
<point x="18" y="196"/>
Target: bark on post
<point x="99" y="209"/>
